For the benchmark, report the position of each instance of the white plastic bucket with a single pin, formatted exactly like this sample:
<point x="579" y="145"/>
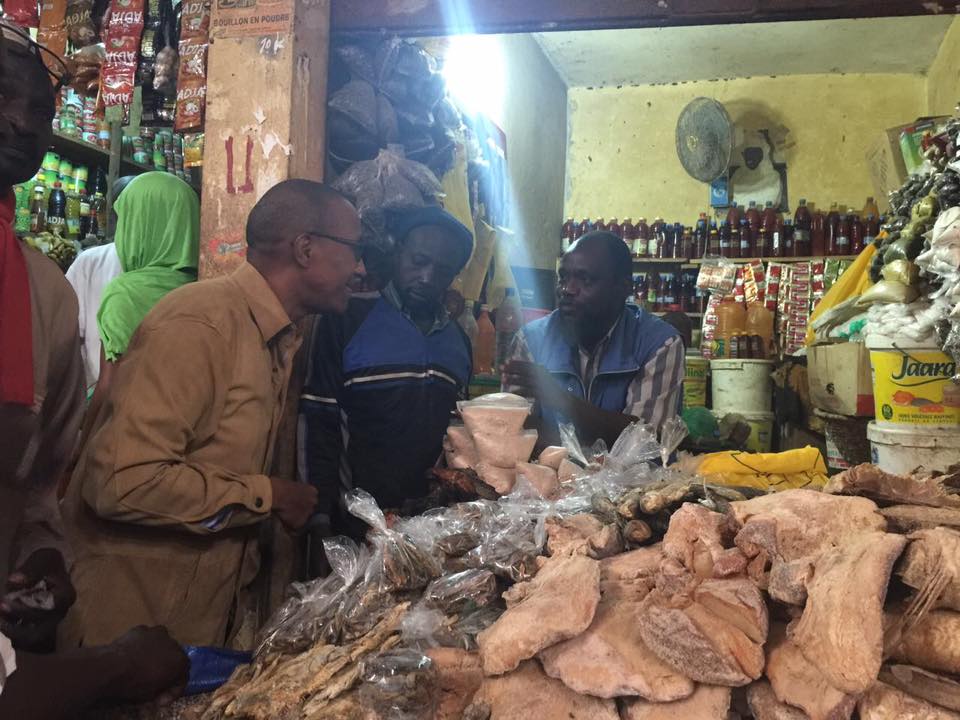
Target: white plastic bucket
<point x="741" y="385"/>
<point x="902" y="449"/>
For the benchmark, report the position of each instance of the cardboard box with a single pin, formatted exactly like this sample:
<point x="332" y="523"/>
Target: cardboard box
<point x="840" y="378"/>
<point x="887" y="168"/>
<point x="886" y="156"/>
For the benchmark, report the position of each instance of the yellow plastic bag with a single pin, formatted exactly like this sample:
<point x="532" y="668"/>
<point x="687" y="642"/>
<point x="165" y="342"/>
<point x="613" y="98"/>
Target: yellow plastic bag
<point x="788" y="470"/>
<point x="854" y="281"/>
<point x="502" y="278"/>
<point x="456" y="195"/>
<point x="470" y="281"/>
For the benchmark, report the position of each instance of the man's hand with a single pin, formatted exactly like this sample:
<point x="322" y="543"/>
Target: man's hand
<point x="153" y="666"/>
<point x="534" y="381"/>
<point x="38" y="595"/>
<point x="293" y="502"/>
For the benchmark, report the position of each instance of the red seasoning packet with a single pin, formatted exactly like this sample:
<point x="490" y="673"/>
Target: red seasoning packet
<point x="124" y="28"/>
<point x="22" y="12"/>
<point x="192" y="76"/>
<point x="53" y="30"/>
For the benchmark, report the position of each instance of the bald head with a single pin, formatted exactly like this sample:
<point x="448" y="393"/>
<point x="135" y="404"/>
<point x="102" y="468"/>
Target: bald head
<point x="296" y="207"/>
<point x="612" y="249"/>
<point x="305" y="239"/>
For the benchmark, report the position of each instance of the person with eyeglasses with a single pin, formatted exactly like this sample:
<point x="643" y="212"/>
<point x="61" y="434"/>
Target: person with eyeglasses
<point x="165" y="505"/>
<point x="41" y="405"/>
<point x="384" y="378"/>
<point x="597" y="362"/>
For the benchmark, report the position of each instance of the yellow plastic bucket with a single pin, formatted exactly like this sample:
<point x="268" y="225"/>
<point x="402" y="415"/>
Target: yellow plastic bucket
<point x="695" y="381"/>
<point x="913" y="386"/>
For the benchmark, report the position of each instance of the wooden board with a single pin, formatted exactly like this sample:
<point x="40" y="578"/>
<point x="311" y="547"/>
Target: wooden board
<point x="265" y="122"/>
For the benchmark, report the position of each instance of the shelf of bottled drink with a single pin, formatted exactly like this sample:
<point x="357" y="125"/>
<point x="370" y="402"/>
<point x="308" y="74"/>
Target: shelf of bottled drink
<point x="696" y="262"/>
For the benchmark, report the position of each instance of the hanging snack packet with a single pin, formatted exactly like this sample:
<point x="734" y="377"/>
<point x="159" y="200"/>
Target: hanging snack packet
<point x="124" y="28"/>
<point x="192" y="73"/>
<point x="80" y="27"/>
<point x="53" y="30"/>
<point x="193" y="150"/>
<point x="22" y="12"/>
<point x="717" y="277"/>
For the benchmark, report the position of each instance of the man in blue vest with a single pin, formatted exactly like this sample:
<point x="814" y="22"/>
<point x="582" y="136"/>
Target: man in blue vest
<point x="384" y="378"/>
<point x="595" y="361"/>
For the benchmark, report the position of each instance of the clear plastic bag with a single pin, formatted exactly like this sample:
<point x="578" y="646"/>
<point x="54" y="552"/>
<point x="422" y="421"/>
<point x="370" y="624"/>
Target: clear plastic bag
<point x="317" y="610"/>
<point x="568" y="436"/>
<point x="399" y="685"/>
<point x="512" y="536"/>
<point x="357" y="59"/>
<point x="636" y="444"/>
<point x="389" y="181"/>
<point x="402" y="564"/>
<point x="461" y="592"/>
<point x="672" y="433"/>
<point x="357" y="101"/>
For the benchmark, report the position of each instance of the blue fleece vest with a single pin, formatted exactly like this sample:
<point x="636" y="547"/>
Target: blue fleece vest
<point x="635" y="339"/>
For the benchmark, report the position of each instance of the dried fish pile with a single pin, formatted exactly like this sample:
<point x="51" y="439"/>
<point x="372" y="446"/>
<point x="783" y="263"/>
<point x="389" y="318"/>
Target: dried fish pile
<point x="790" y="606"/>
<point x="637" y="594"/>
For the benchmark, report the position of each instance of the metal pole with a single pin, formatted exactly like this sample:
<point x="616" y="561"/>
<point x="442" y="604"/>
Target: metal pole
<point x="113" y="167"/>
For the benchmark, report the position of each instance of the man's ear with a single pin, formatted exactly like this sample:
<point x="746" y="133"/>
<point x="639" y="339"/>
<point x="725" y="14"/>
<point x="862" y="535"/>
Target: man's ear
<point x="303" y="250"/>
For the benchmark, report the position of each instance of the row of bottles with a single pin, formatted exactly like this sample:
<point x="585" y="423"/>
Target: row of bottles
<point x="669" y="292"/>
<point x="749" y="233"/>
<point x="57" y="200"/>
<point x="69" y="215"/>
<point x="492" y="340"/>
<point x="743" y="331"/>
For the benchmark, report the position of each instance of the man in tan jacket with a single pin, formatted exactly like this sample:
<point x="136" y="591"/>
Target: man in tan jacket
<point x="164" y="505"/>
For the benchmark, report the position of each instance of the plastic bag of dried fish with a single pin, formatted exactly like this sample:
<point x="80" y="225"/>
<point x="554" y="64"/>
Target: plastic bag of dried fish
<point x="512" y="536"/>
<point x="461" y="592"/>
<point x="315" y="610"/>
<point x="402" y="564"/>
<point x="399" y="685"/>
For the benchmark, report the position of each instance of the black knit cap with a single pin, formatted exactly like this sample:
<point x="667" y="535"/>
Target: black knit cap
<point x="403" y="221"/>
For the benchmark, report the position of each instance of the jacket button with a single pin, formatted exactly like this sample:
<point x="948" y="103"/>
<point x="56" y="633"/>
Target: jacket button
<point x="258" y="502"/>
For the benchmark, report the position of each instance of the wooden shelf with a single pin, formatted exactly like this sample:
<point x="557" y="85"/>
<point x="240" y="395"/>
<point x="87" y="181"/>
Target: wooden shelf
<point x="661" y="261"/>
<point x="742" y="261"/>
<point x="81" y="151"/>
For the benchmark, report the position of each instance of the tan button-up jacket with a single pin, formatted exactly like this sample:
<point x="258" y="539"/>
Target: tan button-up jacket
<point x="163" y="507"/>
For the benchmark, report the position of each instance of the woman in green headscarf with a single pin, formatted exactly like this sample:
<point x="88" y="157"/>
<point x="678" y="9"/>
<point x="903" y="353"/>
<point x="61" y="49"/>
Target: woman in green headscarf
<point x="158" y="243"/>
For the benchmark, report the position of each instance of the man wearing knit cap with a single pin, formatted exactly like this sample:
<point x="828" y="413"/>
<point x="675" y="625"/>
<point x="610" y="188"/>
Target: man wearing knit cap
<point x="384" y="377"/>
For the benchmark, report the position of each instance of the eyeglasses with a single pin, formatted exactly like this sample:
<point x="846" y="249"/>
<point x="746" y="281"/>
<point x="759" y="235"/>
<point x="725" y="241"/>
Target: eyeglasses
<point x="59" y="73"/>
<point x="358" y="247"/>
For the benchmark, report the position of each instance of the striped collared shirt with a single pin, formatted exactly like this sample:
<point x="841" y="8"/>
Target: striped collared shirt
<point x="653" y="395"/>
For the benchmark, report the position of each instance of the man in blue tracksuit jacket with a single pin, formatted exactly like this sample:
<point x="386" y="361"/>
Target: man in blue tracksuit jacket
<point x="384" y="378"/>
<point x="595" y="361"/>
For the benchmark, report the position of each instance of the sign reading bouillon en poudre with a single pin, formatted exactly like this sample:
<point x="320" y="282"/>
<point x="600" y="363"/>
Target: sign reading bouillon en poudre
<point x="915" y="387"/>
<point x="251" y="18"/>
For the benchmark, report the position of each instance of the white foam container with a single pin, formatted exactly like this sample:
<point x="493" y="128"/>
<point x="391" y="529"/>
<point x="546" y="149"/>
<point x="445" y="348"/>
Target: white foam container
<point x="741" y="385"/>
<point x="904" y="448"/>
